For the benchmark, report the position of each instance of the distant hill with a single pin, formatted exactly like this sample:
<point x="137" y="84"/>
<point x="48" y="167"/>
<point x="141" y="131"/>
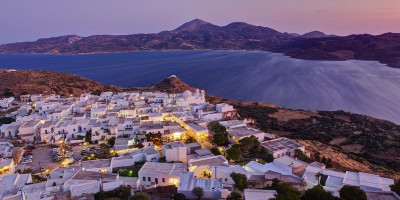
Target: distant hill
<point x="48" y="82"/>
<point x="316" y="34"/>
<point x="198" y="34"/>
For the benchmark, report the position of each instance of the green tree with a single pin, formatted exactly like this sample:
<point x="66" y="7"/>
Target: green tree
<point x="104" y="151"/>
<point x="111" y="141"/>
<point x="234" y="196"/>
<point x="240" y="181"/>
<point x="215" y="127"/>
<point x="8" y="93"/>
<point x="140" y="196"/>
<point x="300" y="155"/>
<point x="179" y="196"/>
<point x="317" y="193"/>
<point x="269" y="158"/>
<point x="96" y="92"/>
<point x="220" y="139"/>
<point x="215" y="151"/>
<point x="349" y="192"/>
<point x="234" y="153"/>
<point x="88" y="137"/>
<point x="198" y="192"/>
<point x="396" y="187"/>
<point x="190" y="139"/>
<point x="248" y="142"/>
<point x="285" y="191"/>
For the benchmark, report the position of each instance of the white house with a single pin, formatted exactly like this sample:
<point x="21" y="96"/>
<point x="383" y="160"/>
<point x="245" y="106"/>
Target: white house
<point x="147" y="154"/>
<point x="232" y="123"/>
<point x="224" y="173"/>
<point x="212" y="188"/>
<point x="10" y="184"/>
<point x="175" y="152"/>
<point x="161" y="174"/>
<point x="202" y="166"/>
<point x="6" y="102"/>
<point x="47" y="131"/>
<point x="11" y="130"/>
<point x="282" y="146"/>
<point x="29" y="130"/>
<point x="87" y="182"/>
<point x="7" y="166"/>
<point x="6" y="149"/>
<point x="97" y="112"/>
<point x="238" y="133"/>
<point x="99" y="165"/>
<point x="336" y="180"/>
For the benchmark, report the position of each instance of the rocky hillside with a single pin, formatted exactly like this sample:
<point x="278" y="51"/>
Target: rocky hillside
<point x="353" y="142"/>
<point x="198" y="34"/>
<point x="17" y="82"/>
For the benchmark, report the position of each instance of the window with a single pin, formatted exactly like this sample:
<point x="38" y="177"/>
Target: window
<point x="144" y="178"/>
<point x="163" y="180"/>
<point x="149" y="179"/>
<point x="156" y="180"/>
<point x="226" y="179"/>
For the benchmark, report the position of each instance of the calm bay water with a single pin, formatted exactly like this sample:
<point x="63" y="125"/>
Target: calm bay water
<point x="363" y="87"/>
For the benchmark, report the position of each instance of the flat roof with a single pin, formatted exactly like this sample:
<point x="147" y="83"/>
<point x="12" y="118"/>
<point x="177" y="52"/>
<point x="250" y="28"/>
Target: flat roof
<point x="255" y="194"/>
<point x="89" y="175"/>
<point x="4" y="162"/>
<point x="100" y="163"/>
<point x="187" y="182"/>
<point x="196" y="127"/>
<point x="163" y="168"/>
<point x="212" y="161"/>
<point x="203" y="152"/>
<point x="173" y="145"/>
<point x="244" y="132"/>
<point x="280" y="143"/>
<point x="288" y="161"/>
<point x="230" y="123"/>
<point x="30" y="124"/>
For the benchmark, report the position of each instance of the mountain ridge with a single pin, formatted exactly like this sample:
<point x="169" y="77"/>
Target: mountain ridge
<point x="198" y="34"/>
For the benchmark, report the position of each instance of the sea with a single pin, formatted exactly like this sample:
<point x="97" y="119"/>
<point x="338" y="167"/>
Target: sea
<point x="363" y="87"/>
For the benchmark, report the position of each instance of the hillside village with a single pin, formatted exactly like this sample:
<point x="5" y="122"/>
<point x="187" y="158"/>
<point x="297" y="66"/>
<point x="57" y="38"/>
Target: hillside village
<point x="158" y="143"/>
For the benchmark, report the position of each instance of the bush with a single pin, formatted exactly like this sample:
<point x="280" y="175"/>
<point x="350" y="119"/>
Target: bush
<point x="198" y="192"/>
<point x="215" y="151"/>
<point x="111" y="142"/>
<point x="140" y="196"/>
<point x="129" y="172"/>
<point x="121" y="192"/>
<point x="220" y="139"/>
<point x="396" y="187"/>
<point x="317" y="192"/>
<point x="234" y="196"/>
<point x="349" y="192"/>
<point x="234" y="153"/>
<point x="285" y="191"/>
<point x="240" y="181"/>
<point x="179" y="196"/>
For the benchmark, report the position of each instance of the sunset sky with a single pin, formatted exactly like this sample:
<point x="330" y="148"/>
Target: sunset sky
<point x="31" y="20"/>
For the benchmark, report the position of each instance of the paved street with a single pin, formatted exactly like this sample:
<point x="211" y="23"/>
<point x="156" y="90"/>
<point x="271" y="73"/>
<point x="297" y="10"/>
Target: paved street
<point x="43" y="155"/>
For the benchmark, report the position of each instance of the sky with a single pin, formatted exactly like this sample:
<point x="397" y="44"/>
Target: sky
<point x="28" y="20"/>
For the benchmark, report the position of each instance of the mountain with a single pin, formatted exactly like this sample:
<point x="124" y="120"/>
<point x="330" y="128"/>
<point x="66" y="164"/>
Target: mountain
<point x="315" y="34"/>
<point x="198" y="34"/>
<point x="351" y="141"/>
